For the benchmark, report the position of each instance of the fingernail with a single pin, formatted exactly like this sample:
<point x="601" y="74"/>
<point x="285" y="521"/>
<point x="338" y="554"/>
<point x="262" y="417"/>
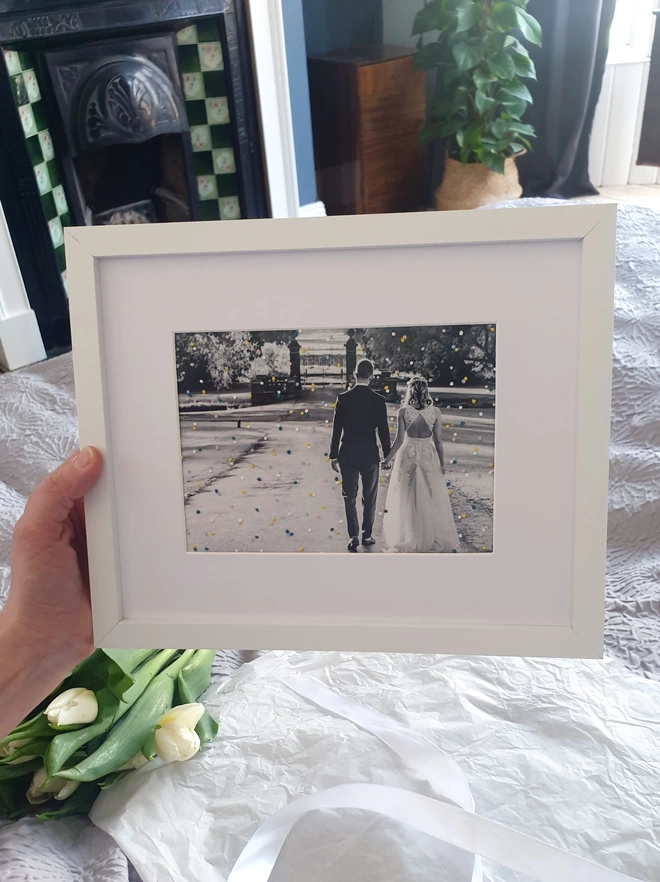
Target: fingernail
<point x="83" y="459"/>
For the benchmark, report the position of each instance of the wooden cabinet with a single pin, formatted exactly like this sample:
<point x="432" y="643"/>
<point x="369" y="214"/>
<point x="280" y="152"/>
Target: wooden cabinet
<point x="368" y="108"/>
<point x="649" y="142"/>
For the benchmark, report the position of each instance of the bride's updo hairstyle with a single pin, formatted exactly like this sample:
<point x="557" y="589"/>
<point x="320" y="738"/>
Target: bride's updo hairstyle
<point x="417" y="393"/>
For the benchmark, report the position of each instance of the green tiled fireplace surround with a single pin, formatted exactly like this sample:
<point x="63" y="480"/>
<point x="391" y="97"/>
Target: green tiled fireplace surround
<point x="205" y="91"/>
<point x="203" y="78"/>
<point x="20" y="66"/>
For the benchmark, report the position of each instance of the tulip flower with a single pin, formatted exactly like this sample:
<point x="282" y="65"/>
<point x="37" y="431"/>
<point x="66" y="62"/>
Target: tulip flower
<point x="8" y="750"/>
<point x="39" y="791"/>
<point x="175" y="737"/>
<point x="73" y="707"/>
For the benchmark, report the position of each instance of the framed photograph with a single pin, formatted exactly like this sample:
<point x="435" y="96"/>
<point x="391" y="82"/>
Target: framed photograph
<point x="353" y="433"/>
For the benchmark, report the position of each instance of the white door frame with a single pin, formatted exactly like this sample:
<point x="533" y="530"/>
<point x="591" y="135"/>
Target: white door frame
<point x="20" y="338"/>
<point x="274" y="99"/>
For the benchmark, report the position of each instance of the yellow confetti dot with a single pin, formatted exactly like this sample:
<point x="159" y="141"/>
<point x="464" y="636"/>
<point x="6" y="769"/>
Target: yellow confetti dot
<point x="242" y="492"/>
<point x="310" y="494"/>
<point x="463" y="516"/>
<point x="203" y="391"/>
<point x="490" y="465"/>
<point x="483" y="548"/>
<point x="230" y="459"/>
<point x="252" y="465"/>
<point x="212" y="534"/>
<point x="194" y="428"/>
<point x="301" y="548"/>
<point x="476" y="449"/>
<point x="247" y="425"/>
<point x="198" y="485"/>
<point x="474" y="401"/>
<point x="448" y="492"/>
<point x="446" y="425"/>
<point x="306" y="445"/>
<point x="240" y="520"/>
<point x="323" y="506"/>
<point x="273" y="520"/>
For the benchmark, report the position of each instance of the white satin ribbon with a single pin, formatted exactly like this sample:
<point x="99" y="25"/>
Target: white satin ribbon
<point x="454" y="824"/>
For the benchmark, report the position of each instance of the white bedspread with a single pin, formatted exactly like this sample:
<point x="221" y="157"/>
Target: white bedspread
<point x="38" y="429"/>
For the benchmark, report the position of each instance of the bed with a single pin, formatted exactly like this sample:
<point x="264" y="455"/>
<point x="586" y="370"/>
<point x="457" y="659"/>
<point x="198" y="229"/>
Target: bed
<point x="38" y="430"/>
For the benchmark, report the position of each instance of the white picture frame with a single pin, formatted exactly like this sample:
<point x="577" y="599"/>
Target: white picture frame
<point x="545" y="275"/>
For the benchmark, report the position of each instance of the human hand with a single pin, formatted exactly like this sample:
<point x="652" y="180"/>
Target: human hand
<point x="48" y="603"/>
<point x="335" y="465"/>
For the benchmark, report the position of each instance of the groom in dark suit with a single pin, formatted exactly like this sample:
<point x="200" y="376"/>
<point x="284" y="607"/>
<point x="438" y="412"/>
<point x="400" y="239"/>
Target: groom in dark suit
<point x="360" y="414"/>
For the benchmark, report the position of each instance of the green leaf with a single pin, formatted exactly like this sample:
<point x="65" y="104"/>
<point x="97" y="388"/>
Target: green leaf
<point x="432" y="17"/>
<point x="467" y="17"/>
<point x="523" y="65"/>
<point x="467" y="56"/>
<point x="79" y="803"/>
<point x="482" y="79"/>
<point x="515" y="107"/>
<point x="517" y="91"/>
<point x="483" y="102"/>
<point x="504" y="16"/>
<point x="451" y="128"/>
<point x="521" y="128"/>
<point x="125" y="661"/>
<point x="494" y="161"/>
<point x="430" y="132"/>
<point x="531" y="29"/>
<point x="502" y="66"/>
<point x="430" y="56"/>
<point x="516" y="147"/>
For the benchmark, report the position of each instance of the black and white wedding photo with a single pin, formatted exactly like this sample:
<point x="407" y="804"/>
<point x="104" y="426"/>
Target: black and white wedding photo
<point x="338" y="440"/>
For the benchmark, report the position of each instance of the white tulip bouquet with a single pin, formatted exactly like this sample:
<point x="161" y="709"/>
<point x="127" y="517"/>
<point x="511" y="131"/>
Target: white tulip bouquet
<point x="115" y="712"/>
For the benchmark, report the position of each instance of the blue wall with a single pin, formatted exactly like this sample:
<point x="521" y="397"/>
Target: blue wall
<point x="341" y="24"/>
<point x="312" y="27"/>
<point x="296" y="60"/>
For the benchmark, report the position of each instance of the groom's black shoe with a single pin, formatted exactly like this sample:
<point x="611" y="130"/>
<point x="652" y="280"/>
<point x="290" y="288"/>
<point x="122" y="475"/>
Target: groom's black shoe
<point x="353" y="544"/>
<point x="368" y="541"/>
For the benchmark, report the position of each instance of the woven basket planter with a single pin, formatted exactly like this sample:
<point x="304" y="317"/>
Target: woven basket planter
<point x="474" y="184"/>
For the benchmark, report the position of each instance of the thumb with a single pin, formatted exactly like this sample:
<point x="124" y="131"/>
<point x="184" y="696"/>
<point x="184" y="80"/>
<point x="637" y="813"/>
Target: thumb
<point x="53" y="499"/>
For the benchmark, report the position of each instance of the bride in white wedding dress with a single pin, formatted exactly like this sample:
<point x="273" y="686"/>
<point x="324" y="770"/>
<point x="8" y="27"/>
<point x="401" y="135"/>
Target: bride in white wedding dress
<point x="418" y="515"/>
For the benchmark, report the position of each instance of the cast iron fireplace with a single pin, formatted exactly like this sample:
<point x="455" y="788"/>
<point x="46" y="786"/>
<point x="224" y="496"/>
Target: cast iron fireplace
<point x="120" y="126"/>
<point x="128" y="156"/>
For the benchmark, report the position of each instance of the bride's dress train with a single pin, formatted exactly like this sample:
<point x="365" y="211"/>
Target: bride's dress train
<point x="418" y="516"/>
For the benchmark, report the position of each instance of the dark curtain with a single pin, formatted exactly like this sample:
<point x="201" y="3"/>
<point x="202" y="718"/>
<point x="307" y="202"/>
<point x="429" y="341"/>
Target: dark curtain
<point x="570" y="69"/>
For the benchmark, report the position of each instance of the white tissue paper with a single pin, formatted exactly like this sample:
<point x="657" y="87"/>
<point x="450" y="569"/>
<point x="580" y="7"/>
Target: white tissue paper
<point x="566" y="751"/>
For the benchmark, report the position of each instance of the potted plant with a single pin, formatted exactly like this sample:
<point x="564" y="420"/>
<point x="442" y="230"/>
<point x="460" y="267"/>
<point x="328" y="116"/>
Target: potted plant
<point x="481" y="99"/>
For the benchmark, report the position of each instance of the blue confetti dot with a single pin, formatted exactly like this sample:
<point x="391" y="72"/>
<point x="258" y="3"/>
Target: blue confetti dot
<point x="256" y="509"/>
<point x="462" y="422"/>
<point x="474" y="508"/>
<point x="332" y="529"/>
<point x="385" y="511"/>
<point x="198" y="511"/>
<point x="256" y="537"/>
<point x="453" y="551"/>
<point x="336" y="479"/>
<point x="449" y="483"/>
<point x="287" y="532"/>
<point x="194" y="548"/>
<point x="205" y="548"/>
<point x="189" y="394"/>
<point x="279" y="428"/>
<point x="233" y="437"/>
<point x="289" y="452"/>
<point x="217" y="491"/>
<point x="258" y="479"/>
<point x="295" y="482"/>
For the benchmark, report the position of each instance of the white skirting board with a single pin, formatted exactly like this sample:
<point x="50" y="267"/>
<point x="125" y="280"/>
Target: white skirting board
<point x="313" y="209"/>
<point x="20" y="341"/>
